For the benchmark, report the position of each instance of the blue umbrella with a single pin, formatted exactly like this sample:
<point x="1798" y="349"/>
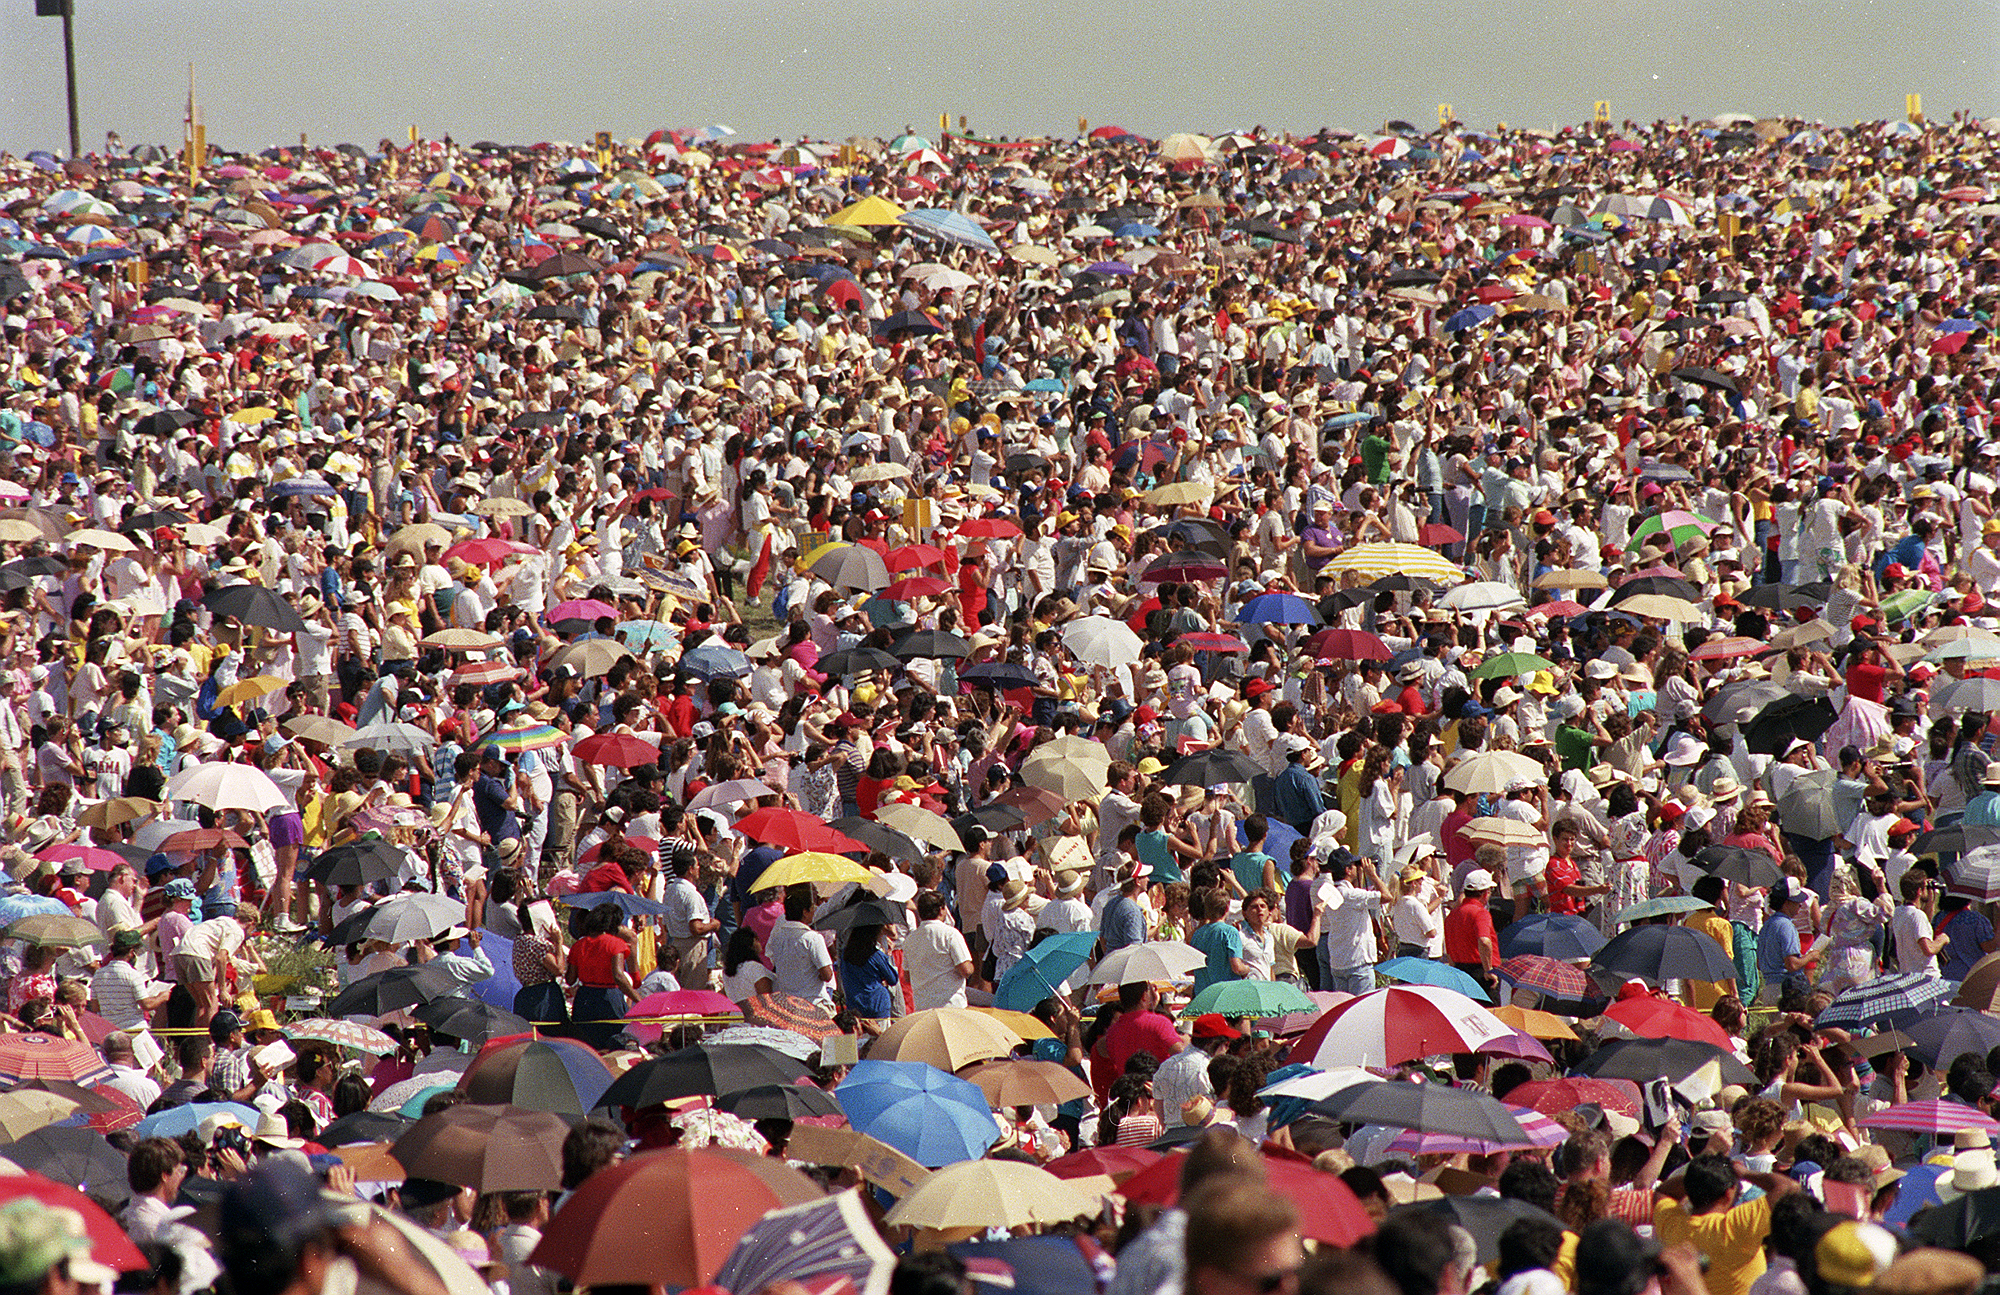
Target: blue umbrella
<point x="630" y="905"/>
<point x="710" y="663"/>
<point x="1031" y="1265"/>
<point x="1278" y="838"/>
<point x="1136" y="229"/>
<point x="1953" y="326"/>
<point x="302" y="485"/>
<point x="103" y="254"/>
<point x="639" y="635"/>
<point x="1551" y="935"/>
<point x="176" y="1120"/>
<point x="951" y="226"/>
<point x="1277" y="609"/>
<point x="15" y="907"/>
<point x="1043" y="384"/>
<point x="1438" y="975"/>
<point x="934" y="1118"/>
<point x="1470" y="317"/>
<point x="1041" y="969"/>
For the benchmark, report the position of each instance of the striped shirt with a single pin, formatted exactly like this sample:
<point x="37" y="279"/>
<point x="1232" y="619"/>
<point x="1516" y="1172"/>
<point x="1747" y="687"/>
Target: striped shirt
<point x="117" y="987"/>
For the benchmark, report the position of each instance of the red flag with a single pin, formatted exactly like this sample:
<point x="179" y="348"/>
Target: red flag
<point x="760" y="569"/>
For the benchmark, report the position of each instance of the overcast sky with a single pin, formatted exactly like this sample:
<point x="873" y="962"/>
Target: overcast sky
<point x="365" y="69"/>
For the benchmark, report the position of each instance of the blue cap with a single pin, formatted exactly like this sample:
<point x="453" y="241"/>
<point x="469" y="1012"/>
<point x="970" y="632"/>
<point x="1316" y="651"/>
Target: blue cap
<point x="158" y="864"/>
<point x="1473" y="710"/>
<point x="492" y="752"/>
<point x="996" y="874"/>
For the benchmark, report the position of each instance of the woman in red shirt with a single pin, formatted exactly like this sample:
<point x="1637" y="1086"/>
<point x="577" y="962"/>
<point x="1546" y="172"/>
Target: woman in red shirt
<point x="1563" y="879"/>
<point x="598" y="967"/>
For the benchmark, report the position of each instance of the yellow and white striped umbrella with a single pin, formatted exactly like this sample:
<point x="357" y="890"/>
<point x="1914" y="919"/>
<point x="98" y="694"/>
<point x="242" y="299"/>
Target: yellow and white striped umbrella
<point x="1375" y="560"/>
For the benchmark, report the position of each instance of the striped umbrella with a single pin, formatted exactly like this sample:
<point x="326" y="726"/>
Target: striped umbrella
<point x="1888" y="1001"/>
<point x="1541" y="1131"/>
<point x="1374" y="560"/>
<point x="1932" y="1115"/>
<point x="1679" y="525"/>
<point x="528" y="737"/>
<point x="1547" y="976"/>
<point x="342" y="1034"/>
<point x="482" y="673"/>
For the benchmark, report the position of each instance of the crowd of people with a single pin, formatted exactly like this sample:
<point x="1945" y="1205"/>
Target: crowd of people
<point x="1062" y="581"/>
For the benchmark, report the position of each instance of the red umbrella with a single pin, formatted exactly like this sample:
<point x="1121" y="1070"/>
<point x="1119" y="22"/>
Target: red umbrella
<point x="90" y="856"/>
<point x="1950" y="343"/>
<point x="196" y="840"/>
<point x="1554" y="1096"/>
<point x="487" y="552"/>
<point x="1662" y="1018"/>
<point x="1562" y="607"/>
<point x="619" y="750"/>
<point x="1110" y="1162"/>
<point x="1548" y="976"/>
<point x="1337" y="644"/>
<point x="108" y="1243"/>
<point x="913" y="557"/>
<point x="792" y="830"/>
<point x="917" y="587"/>
<point x="1728" y="649"/>
<point x="1183" y="568"/>
<point x="1036" y="806"/>
<point x="1209" y="641"/>
<point x="667" y="1217"/>
<point x="1329" y="1212"/>
<point x="1437" y="533"/>
<point x="44" y="1056"/>
<point x="988" y="528"/>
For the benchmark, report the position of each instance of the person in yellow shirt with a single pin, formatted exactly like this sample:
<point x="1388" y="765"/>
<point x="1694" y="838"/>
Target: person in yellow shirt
<point x="1699" y="1206"/>
<point x="1704" y="994"/>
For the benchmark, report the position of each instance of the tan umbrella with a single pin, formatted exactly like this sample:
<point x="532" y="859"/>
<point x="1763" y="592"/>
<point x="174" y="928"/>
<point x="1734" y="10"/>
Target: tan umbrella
<point x="1981" y="988"/>
<point x="1501" y="831"/>
<point x="26" y="1109"/>
<point x="463" y="640"/>
<point x="945" y="1037"/>
<point x="48" y="525"/>
<point x="111" y="813"/>
<point x="502" y="506"/>
<point x="919" y="824"/>
<point x="590" y="658"/>
<point x="16" y="530"/>
<point x="1661" y="607"/>
<point x="1540" y="1025"/>
<point x="413" y="538"/>
<point x="1022" y="1082"/>
<point x="1034" y="255"/>
<point x="1568" y="579"/>
<point x="1491" y="772"/>
<point x="1200" y="202"/>
<point x="991" y="1193"/>
<point x="323" y="729"/>
<point x="109" y="541"/>
<point x="1819" y="631"/>
<point x="869" y="472"/>
<point x="1176" y="494"/>
<point x="59" y="930"/>
<point x="491" y="1148"/>
<point x="1066" y="776"/>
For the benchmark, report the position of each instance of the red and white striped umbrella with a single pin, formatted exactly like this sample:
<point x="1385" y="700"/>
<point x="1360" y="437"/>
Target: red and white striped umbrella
<point x="1398" y="1024"/>
<point x="1932" y="1115"/>
<point x="344" y="265"/>
<point x="485" y="672"/>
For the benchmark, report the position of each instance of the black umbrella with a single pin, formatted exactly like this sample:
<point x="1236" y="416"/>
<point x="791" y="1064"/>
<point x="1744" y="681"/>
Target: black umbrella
<point x="256" y="605"/>
<point x="470" y="1019"/>
<point x="1739" y="702"/>
<point x="1000" y="675"/>
<point x="537" y="419"/>
<point x="357" y="863"/>
<point x="22" y="572"/>
<point x="1410" y="278"/>
<point x="1792" y="717"/>
<point x="1641" y="1060"/>
<point x="1957" y="1224"/>
<point x="1807" y="808"/>
<point x="910" y="323"/>
<point x="1194" y="533"/>
<point x="878" y="837"/>
<point x="1706" y="378"/>
<point x="1955" y="839"/>
<point x="930" y="643"/>
<point x="1737" y="864"/>
<point x="1025" y="462"/>
<point x="1665" y="586"/>
<point x="1175" y="1138"/>
<point x="869" y="912"/>
<point x="857" y="660"/>
<point x="778" y="1102"/>
<point x="991" y="818"/>
<point x="1210" y="767"/>
<point x="391" y="990"/>
<point x="165" y="422"/>
<point x="364" y="1126"/>
<point x="599" y="226"/>
<point x="706" y="1068"/>
<point x="562" y="265"/>
<point x="1657" y="953"/>
<point x="78" y="1156"/>
<point x="1785" y="598"/>
<point x="1721" y="297"/>
<point x="1399" y="582"/>
<point x="1484" y="1217"/>
<point x="556" y="310"/>
<point x="153" y="519"/>
<point x="1665" y="472"/>
<point x="1938" y="1039"/>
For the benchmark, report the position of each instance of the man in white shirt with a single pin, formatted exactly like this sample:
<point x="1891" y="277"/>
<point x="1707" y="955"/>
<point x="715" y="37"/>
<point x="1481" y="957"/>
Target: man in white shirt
<point x="935" y="957"/>
<point x="1260" y="733"/>
<point x="800" y="963"/>
<point x="126" y="1076"/>
<point x="1916" y="947"/>
<point x="1347" y="952"/>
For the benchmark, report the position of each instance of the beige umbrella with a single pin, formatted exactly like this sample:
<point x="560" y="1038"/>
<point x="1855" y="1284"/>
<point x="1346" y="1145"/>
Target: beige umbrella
<point x="15" y="530"/>
<point x="920" y="824"/>
<point x="110" y="541"/>
<point x="47" y="524"/>
<point x="1568" y="579"/>
<point x="868" y="472"/>
<point x="1034" y="254"/>
<point x="413" y="538"/>
<point x="1066" y="776"/>
<point x="111" y="813"/>
<point x="991" y="1193"/>
<point x="945" y="1037"/>
<point x="1200" y="202"/>
<point x="1819" y="631"/>
<point x="1502" y="831"/>
<point x="1490" y="772"/>
<point x="1022" y="1082"/>
<point x="324" y="729"/>
<point x="878" y="1162"/>
<point x="1661" y="607"/>
<point x="1176" y="494"/>
<point x="463" y="640"/>
<point x="501" y="506"/>
<point x="27" y="1109"/>
<point x="590" y="658"/>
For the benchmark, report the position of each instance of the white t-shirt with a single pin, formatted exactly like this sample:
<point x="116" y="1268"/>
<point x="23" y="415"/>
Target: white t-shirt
<point x="932" y="954"/>
<point x="1909" y="925"/>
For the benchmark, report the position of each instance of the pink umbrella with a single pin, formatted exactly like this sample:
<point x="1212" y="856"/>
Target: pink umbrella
<point x="1524" y="220"/>
<point x="1541" y="1130"/>
<point x="676" y="1002"/>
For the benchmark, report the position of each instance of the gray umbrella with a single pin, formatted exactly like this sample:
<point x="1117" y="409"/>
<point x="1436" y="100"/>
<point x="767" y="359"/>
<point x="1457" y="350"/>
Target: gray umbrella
<point x="389" y="735"/>
<point x="854" y="568"/>
<point x="1737" y="702"/>
<point x="1806" y="809"/>
<point x="1431" y="1108"/>
<point x="1975" y="694"/>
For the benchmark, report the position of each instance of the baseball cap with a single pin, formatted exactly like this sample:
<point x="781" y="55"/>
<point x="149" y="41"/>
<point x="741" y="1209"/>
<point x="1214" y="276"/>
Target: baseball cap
<point x="1214" y="1025"/>
<point x="1478" y="879"/>
<point x="223" y="1024"/>
<point x="157" y="864"/>
<point x="492" y="752"/>
<point x="126" y="940"/>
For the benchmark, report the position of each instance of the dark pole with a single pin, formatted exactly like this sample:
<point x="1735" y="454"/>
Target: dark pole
<point x="69" y="71"/>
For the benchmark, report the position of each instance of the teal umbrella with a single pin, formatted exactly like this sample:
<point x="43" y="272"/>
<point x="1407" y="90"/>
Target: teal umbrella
<point x="1241" y="998"/>
<point x="1041" y="969"/>
<point x="1440" y="975"/>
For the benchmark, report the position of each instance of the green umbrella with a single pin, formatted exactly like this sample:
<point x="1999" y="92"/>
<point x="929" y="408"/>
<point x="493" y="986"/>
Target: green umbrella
<point x="1508" y="664"/>
<point x="1240" y="998"/>
<point x="1898" y="605"/>
<point x="1680" y="526"/>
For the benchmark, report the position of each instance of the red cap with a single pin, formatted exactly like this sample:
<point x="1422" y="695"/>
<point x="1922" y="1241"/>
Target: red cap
<point x="1904" y="827"/>
<point x="1257" y="688"/>
<point x="1543" y="517"/>
<point x="1146" y="715"/>
<point x="1215" y="1026"/>
<point x="1895" y="571"/>
<point x="1672" y="811"/>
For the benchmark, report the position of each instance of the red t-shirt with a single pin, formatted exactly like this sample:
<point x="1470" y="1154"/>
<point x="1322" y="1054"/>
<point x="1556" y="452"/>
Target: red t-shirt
<point x="596" y="958"/>
<point x="1137" y="1032"/>
<point x="1865" y="680"/>
<point x="1560" y="875"/>
<point x="1464" y="927"/>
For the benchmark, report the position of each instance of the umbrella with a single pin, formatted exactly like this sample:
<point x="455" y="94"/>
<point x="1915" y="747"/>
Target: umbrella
<point x="790" y="829"/>
<point x="1807" y="808"/>
<point x="868" y="912"/>
<point x="1932" y="1115"/>
<point x="23" y="1110"/>
<point x="923" y="1111"/>
<point x="1022" y="1082"/>
<point x="357" y="863"/>
<point x="1887" y="1002"/>
<point x="1103" y="1162"/>
<point x="789" y="1015"/>
<point x="491" y="1148"/>
<point x="1743" y="866"/>
<point x="1772" y="729"/>
<point x="360" y="1127"/>
<point x="256" y="605"/>
<point x="1785" y="598"/>
<point x="1397" y="1024"/>
<point x="342" y="1034"/>
<point x="61" y="931"/>
<point x="404" y="918"/>
<point x="1483" y="1217"/>
<point x="1494" y="772"/>
<point x="559" y="1075"/>
<point x="991" y="1193"/>
<point x="1982" y="984"/>
<point x="1102" y="641"/>
<point x="470" y="1019"/>
<point x="1938" y="1039"/>
<point x="1277" y="609"/>
<point x="1425" y="971"/>
<point x="1554" y="1096"/>
<point x="1211" y="767"/>
<point x="919" y="824"/>
<point x="705" y="1068"/>
<point x="1481" y="595"/>
<point x="44" y="1056"/>
<point x="1659" y="953"/>
<point x="1547" y="976"/>
<point x="810" y="866"/>
<point x="1661" y="1018"/>
<point x="1067" y="776"/>
<point x="1975" y="876"/>
<point x="1154" y="961"/>
<point x="176" y="1120"/>
<point x="668" y="1217"/>
<point x="712" y="662"/>
<point x="857" y="660"/>
<point x="930" y="644"/>
<point x="948" y="1038"/>
<point x="77" y="1157"/>
<point x="808" y="1244"/>
<point x="1433" y="1108"/>
<point x="1240" y="999"/>
<point x="779" y="1102"/>
<point x="1337" y="644"/>
<point x="222" y="786"/>
<point x="1328" y="1210"/>
<point x="590" y="658"/>
<point x="853" y="567"/>
<point x="391" y="990"/>
<point x="618" y="751"/>
<point x="693" y="1004"/>
<point x="108" y="1243"/>
<point x="1037" y="973"/>
<point x="1976" y="693"/>
<point x="1408" y="559"/>
<point x="1641" y="1060"/>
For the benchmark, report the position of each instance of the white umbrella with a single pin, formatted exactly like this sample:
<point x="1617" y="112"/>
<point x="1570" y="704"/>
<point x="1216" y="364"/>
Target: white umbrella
<point x="1320" y="1084"/>
<point x="1493" y="772"/>
<point x="919" y="824"/>
<point x="1482" y="595"/>
<point x="1167" y="960"/>
<point x="1102" y="641"/>
<point x="155" y="833"/>
<point x="390" y="736"/>
<point x="733" y="792"/>
<point x="228" y="786"/>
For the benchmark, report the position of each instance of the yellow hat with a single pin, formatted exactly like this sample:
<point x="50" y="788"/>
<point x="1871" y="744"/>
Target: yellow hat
<point x="1544" y="682"/>
<point x="1150" y="766"/>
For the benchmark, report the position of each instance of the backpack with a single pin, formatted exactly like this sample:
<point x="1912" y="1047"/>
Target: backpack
<point x="1743" y="951"/>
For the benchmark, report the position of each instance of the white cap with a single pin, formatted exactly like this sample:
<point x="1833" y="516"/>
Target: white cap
<point x="1699" y="816"/>
<point x="1478" y="879"/>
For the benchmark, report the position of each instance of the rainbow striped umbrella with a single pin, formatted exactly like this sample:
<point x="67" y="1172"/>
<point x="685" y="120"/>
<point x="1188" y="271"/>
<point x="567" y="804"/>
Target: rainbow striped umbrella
<point x="528" y="737"/>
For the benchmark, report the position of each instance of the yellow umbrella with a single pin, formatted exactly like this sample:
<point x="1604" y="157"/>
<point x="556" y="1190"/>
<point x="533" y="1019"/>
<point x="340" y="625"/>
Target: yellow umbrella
<point x="869" y="211"/>
<point x="111" y="813"/>
<point x="991" y="1193"/>
<point x="946" y="1037"/>
<point x="806" y="562"/>
<point x="249" y="689"/>
<point x="813" y="865"/>
<point x="1029" y="1027"/>
<point x="1662" y="607"/>
<point x="1377" y="560"/>
<point x="254" y="414"/>
<point x="1176" y="494"/>
<point x="1540" y="1025"/>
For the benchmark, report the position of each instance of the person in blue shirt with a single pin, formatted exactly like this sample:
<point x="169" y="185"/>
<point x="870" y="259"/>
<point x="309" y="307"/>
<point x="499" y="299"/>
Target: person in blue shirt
<point x="1971" y="935"/>
<point x="1295" y="794"/>
<point x="1222" y="942"/>
<point x="1124" y="921"/>
<point x="868" y="978"/>
<point x="1779" y="955"/>
<point x="1254" y="869"/>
